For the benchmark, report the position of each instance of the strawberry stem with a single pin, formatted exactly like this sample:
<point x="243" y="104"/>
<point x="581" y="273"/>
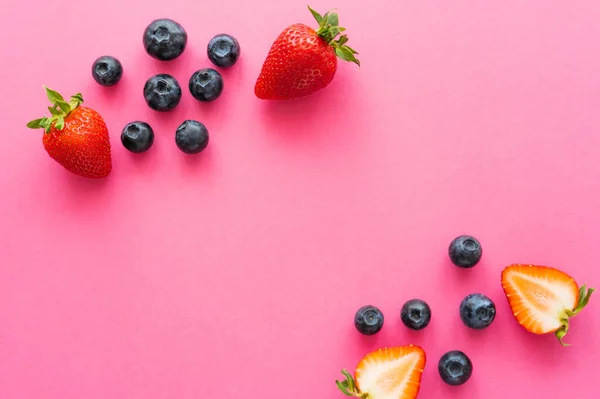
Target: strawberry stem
<point x="59" y="110"/>
<point x="562" y="331"/>
<point x="329" y="30"/>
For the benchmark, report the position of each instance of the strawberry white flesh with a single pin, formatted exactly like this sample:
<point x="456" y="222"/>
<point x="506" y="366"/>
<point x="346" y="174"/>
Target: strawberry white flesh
<point x="393" y="373"/>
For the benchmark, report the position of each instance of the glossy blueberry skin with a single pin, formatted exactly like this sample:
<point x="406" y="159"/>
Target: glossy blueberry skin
<point x="223" y="50"/>
<point x="191" y="137"/>
<point x="107" y="70"/>
<point x="415" y="314"/>
<point x="206" y="85"/>
<point x="477" y="311"/>
<point x="368" y="320"/>
<point x="455" y="368"/>
<point x="165" y="39"/>
<point x="137" y="136"/>
<point x="465" y="251"/>
<point x="162" y="92"/>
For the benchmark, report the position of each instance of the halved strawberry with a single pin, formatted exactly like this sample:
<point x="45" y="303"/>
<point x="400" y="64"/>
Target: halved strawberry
<point x="388" y="373"/>
<point x="543" y="299"/>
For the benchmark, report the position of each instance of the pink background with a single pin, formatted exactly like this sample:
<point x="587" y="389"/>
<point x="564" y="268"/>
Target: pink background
<point x="236" y="273"/>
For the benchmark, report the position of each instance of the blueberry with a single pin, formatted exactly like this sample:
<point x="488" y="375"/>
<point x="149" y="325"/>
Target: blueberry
<point x="107" y="70"/>
<point x="477" y="311"/>
<point x="162" y="92"/>
<point x="223" y="50"/>
<point x="455" y="368"/>
<point x="415" y="314"/>
<point x="191" y="137"/>
<point x="137" y="136"/>
<point x="206" y="84"/>
<point x="165" y="39"/>
<point x="368" y="320"/>
<point x="465" y="251"/>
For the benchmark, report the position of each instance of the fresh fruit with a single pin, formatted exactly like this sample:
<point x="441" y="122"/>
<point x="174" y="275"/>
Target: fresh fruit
<point x="223" y="50"/>
<point x="165" y="39"/>
<point x="162" y="92"/>
<point x="107" y="70"/>
<point x="75" y="136"/>
<point x="415" y="314"/>
<point x="137" y="136"/>
<point x="302" y="61"/>
<point x="191" y="137"/>
<point x="465" y="251"/>
<point x="368" y="320"/>
<point x="543" y="299"/>
<point x="206" y="85"/>
<point x="388" y="373"/>
<point x="477" y="311"/>
<point x="455" y="368"/>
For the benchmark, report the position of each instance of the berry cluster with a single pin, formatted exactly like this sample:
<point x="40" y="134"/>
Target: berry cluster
<point x="476" y="311"/>
<point x="165" y="40"/>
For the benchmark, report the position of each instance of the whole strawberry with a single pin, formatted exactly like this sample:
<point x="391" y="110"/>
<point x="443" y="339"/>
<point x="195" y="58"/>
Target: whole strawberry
<point x="75" y="136"/>
<point x="302" y="60"/>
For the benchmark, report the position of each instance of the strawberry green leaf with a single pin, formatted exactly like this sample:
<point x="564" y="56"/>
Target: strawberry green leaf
<point x="77" y="97"/>
<point x="60" y="123"/>
<point x="341" y="53"/>
<point x="324" y="24"/>
<point x="342" y="386"/>
<point x="346" y="55"/>
<point x="349" y="388"/>
<point x="54" y="111"/>
<point x="35" y="124"/>
<point x="350" y="48"/>
<point x="342" y="40"/>
<point x="334" y="31"/>
<point x="64" y="106"/>
<point x="349" y="380"/>
<point x="332" y="19"/>
<point x="581" y="292"/>
<point x="76" y="101"/>
<point x="584" y="299"/>
<point x="317" y="16"/>
<point x="53" y="96"/>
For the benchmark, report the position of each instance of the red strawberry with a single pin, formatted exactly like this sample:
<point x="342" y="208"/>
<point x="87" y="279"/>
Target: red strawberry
<point x="543" y="299"/>
<point x="302" y="60"/>
<point x="75" y="136"/>
<point x="389" y="373"/>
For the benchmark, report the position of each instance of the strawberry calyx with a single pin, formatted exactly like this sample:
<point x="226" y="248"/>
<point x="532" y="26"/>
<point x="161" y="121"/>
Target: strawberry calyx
<point x="349" y="388"/>
<point x="584" y="299"/>
<point x="59" y="110"/>
<point x="329" y="30"/>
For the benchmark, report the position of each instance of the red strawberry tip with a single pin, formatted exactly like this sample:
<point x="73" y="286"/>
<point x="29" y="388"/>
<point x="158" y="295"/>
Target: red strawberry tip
<point x="349" y="388"/>
<point x="584" y="298"/>
<point x="329" y="30"/>
<point x="59" y="110"/>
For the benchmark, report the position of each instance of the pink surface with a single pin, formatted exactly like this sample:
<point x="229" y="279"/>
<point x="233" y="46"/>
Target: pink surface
<point x="236" y="273"/>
